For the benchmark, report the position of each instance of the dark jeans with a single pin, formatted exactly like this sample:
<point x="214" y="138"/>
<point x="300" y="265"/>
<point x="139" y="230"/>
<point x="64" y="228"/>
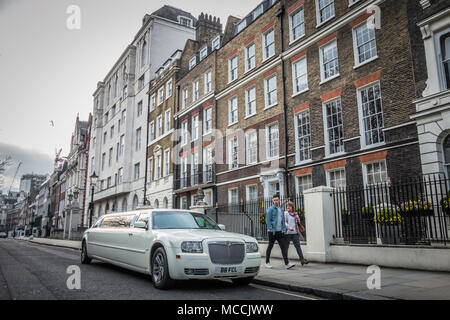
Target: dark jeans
<point x="282" y="242"/>
<point x="295" y="239"/>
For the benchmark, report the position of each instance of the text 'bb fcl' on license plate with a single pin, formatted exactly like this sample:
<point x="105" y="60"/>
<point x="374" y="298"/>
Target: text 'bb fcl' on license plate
<point x="229" y="270"/>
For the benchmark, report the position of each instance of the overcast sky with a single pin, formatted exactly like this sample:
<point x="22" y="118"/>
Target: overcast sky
<point x="48" y="72"/>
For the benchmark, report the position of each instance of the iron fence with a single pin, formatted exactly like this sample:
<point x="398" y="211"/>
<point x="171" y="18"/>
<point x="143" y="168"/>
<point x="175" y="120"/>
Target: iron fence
<point x="411" y="212"/>
<point x="249" y="217"/>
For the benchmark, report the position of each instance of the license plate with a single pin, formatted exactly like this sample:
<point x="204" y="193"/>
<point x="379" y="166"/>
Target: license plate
<point x="229" y="270"/>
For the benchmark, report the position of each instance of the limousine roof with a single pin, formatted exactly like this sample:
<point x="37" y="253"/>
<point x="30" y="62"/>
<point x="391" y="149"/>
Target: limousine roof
<point x="139" y="210"/>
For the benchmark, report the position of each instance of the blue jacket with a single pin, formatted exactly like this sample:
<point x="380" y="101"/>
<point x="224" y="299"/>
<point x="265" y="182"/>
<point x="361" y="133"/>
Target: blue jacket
<point x="271" y="219"/>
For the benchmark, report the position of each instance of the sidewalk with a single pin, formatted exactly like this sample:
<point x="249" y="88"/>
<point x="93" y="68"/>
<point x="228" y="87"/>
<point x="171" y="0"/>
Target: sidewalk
<point x="337" y="281"/>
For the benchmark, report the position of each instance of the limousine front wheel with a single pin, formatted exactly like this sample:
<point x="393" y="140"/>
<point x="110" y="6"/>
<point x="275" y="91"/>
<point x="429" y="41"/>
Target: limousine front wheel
<point x="84" y="255"/>
<point x="160" y="270"/>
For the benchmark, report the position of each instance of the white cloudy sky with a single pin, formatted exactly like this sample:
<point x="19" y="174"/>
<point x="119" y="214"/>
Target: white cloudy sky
<point x="48" y="72"/>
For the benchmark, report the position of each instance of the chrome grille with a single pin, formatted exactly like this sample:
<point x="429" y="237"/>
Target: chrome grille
<point x="251" y="269"/>
<point x="196" y="272"/>
<point x="226" y="252"/>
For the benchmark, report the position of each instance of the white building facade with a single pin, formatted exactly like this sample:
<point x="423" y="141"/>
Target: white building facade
<point x="117" y="151"/>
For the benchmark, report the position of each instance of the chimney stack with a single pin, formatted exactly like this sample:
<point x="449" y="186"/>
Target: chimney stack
<point x="207" y="28"/>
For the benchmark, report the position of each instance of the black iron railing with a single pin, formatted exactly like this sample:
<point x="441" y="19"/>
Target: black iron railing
<point x="411" y="212"/>
<point x="196" y="178"/>
<point x="249" y="217"/>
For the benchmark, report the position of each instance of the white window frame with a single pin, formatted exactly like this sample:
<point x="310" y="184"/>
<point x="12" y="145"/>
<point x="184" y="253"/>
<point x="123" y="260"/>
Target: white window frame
<point x="195" y="127"/>
<point x="267" y="93"/>
<point x="322" y="68"/>
<point x="215" y="44"/>
<point x="192" y="62"/>
<point x="299" y="181"/>
<point x="158" y="166"/>
<point x="151" y="131"/>
<point x="207" y="129"/>
<point x="233" y="152"/>
<point x="362" y="127"/>
<point x="248" y="147"/>
<point x="298" y="152"/>
<point x="121" y="145"/>
<point x="152" y="102"/>
<point x="159" y="126"/>
<point x="241" y="25"/>
<point x="138" y="139"/>
<point x="138" y="171"/>
<point x="356" y="48"/>
<point x="184" y="133"/>
<point x="249" y="103"/>
<point x="120" y="176"/>
<point x="195" y="90"/>
<point x="330" y="181"/>
<point x="208" y="82"/>
<point x="150" y="170"/>
<point x="319" y="17"/>
<point x="203" y="53"/>
<point x="169" y="89"/>
<point x="160" y="95"/>
<point x="185" y="18"/>
<point x="166" y="162"/>
<point x="233" y="108"/>
<point x="296" y="77"/>
<point x="378" y="197"/>
<point x="328" y="152"/>
<point x="232" y="70"/>
<point x="248" y="58"/>
<point x="185" y="102"/>
<point x="258" y="11"/>
<point x="268" y="55"/>
<point x="167" y="118"/>
<point x="231" y="196"/>
<point x="292" y="37"/>
<point x="269" y="141"/>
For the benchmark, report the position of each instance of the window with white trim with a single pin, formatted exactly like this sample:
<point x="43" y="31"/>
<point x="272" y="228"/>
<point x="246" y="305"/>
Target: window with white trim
<point x="192" y="62"/>
<point x="167" y="119"/>
<point x="232" y="68"/>
<point x="297" y="24"/>
<point x="375" y="173"/>
<point x="203" y="53"/>
<point x="258" y="11"/>
<point x="184" y="102"/>
<point x="139" y="109"/>
<point x="325" y="10"/>
<point x="110" y="157"/>
<point x="120" y="176"/>
<point x="272" y="137"/>
<point x="270" y="91"/>
<point x="152" y="102"/>
<point x="160" y="95"/>
<point x="234" y="153"/>
<point x="334" y="130"/>
<point x="151" y="132"/>
<point x="232" y="110"/>
<point x="233" y="196"/>
<point x="195" y="127"/>
<point x="215" y="43"/>
<point x="329" y="63"/>
<point x="364" y="44"/>
<point x="138" y="139"/>
<point x="300" y="76"/>
<point x="159" y="129"/>
<point x="303" y="183"/>
<point x="250" y="57"/>
<point x="184" y="132"/>
<point x="336" y="178"/>
<point x="183" y="202"/>
<point x="207" y="164"/>
<point x="446" y="154"/>
<point x="268" y="44"/>
<point x="207" y="120"/>
<point x="158" y="167"/>
<point x="166" y="162"/>
<point x="194" y="168"/>
<point x="122" y="145"/>
<point x="137" y="171"/>
<point x="442" y="40"/>
<point x="208" y="82"/>
<point x="241" y="26"/>
<point x="150" y="170"/>
<point x="195" y="91"/>
<point x="251" y="140"/>
<point x="169" y="89"/>
<point x="183" y="166"/>
<point x="371" y="114"/>
<point x="185" y="21"/>
<point x="250" y="101"/>
<point x="303" y="136"/>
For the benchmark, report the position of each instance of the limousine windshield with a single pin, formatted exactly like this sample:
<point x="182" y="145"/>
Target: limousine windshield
<point x="182" y="220"/>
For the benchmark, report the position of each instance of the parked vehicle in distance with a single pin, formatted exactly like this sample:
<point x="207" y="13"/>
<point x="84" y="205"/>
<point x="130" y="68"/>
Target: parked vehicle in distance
<point x="3" y="235"/>
<point x="172" y="244"/>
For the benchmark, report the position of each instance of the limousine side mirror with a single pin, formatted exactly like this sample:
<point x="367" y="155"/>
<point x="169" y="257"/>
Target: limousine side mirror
<point x="140" y="224"/>
<point x="222" y="227"/>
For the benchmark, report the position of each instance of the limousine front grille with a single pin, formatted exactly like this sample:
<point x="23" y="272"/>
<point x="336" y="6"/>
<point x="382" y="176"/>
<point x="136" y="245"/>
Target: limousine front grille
<point x="196" y="272"/>
<point x="251" y="269"/>
<point x="226" y="252"/>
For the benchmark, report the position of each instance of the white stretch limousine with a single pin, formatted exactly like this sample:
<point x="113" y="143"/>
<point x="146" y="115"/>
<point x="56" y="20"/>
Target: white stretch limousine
<point x="172" y="245"/>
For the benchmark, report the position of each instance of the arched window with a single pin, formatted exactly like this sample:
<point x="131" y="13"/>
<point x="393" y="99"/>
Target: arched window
<point x="166" y="203"/>
<point x="114" y="206"/>
<point x="124" y="205"/>
<point x="156" y="204"/>
<point x="445" y="59"/>
<point x="446" y="151"/>
<point x="135" y="202"/>
<point x="107" y="208"/>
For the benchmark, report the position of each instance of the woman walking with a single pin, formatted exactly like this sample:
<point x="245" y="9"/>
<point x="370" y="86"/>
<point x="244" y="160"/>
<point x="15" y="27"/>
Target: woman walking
<point x="294" y="230"/>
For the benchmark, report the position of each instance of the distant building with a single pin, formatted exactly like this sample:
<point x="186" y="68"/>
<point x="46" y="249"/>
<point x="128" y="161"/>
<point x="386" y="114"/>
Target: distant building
<point x="31" y="182"/>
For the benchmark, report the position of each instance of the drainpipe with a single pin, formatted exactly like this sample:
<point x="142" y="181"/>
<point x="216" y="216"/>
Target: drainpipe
<point x="145" y="202"/>
<point x="280" y="14"/>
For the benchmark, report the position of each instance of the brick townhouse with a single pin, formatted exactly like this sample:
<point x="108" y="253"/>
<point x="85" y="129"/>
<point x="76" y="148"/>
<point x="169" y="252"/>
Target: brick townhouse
<point x="342" y="113"/>
<point x="195" y="116"/>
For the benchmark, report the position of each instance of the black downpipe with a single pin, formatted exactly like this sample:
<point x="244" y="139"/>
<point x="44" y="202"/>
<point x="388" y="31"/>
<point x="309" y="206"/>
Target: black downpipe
<point x="280" y="14"/>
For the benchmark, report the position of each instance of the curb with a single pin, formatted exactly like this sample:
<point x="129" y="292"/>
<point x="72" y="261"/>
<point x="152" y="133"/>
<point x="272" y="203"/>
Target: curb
<point x="327" y="293"/>
<point x="49" y="244"/>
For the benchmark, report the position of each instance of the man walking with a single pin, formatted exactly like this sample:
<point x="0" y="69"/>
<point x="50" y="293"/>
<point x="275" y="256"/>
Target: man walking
<point x="276" y="227"/>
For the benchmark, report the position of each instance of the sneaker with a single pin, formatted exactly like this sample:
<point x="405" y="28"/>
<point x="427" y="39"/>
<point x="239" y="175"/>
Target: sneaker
<point x="268" y="266"/>
<point x="290" y="265"/>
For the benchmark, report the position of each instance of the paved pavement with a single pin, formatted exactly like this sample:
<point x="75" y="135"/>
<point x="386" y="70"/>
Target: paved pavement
<point x="340" y="281"/>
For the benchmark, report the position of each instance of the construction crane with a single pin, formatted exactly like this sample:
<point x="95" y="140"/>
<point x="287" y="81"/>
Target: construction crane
<point x="17" y="170"/>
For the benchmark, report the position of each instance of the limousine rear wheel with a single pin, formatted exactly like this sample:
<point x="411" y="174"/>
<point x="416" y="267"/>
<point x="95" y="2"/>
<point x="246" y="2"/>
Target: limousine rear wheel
<point x="84" y="255"/>
<point x="160" y="270"/>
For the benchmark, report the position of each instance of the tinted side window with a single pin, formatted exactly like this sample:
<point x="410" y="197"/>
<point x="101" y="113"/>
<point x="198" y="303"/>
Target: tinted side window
<point x="117" y="222"/>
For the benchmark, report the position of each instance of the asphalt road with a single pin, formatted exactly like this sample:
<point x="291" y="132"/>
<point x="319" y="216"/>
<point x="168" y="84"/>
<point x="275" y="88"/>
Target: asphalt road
<point x="31" y="271"/>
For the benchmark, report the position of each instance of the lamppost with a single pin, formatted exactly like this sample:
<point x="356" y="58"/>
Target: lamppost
<point x="93" y="180"/>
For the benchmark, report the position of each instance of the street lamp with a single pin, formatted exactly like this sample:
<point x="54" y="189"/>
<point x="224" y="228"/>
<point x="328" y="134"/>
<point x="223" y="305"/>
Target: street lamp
<point x="93" y="179"/>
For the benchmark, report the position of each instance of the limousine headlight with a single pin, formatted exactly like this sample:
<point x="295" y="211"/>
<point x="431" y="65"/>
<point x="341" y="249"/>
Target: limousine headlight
<point x="192" y="247"/>
<point x="251" y="247"/>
